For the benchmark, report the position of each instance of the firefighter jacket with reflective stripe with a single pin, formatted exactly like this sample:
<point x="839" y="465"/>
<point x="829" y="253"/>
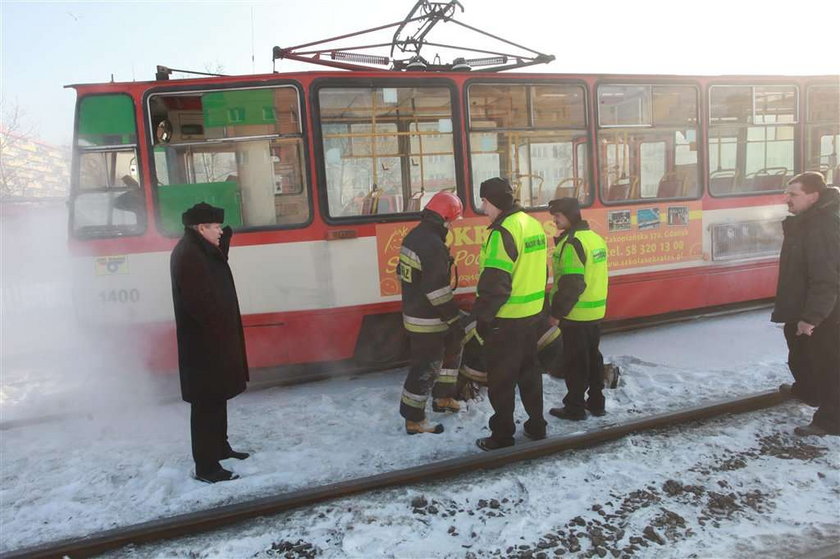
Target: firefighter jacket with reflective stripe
<point x="513" y="268"/>
<point x="424" y="272"/>
<point x="579" y="292"/>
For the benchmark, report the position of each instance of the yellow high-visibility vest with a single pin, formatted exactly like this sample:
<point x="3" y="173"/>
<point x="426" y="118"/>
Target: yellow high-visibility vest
<point x="528" y="272"/>
<point x="592" y="304"/>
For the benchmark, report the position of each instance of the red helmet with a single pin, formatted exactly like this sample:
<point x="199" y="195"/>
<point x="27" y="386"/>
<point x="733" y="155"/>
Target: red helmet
<point x="447" y="205"/>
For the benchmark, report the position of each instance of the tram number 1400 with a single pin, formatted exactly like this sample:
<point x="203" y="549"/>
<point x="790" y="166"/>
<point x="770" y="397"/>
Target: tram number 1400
<point x="120" y="296"/>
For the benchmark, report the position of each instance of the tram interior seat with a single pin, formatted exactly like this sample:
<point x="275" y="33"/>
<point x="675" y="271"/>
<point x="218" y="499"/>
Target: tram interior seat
<point x="622" y="189"/>
<point x="389" y="204"/>
<point x="571" y="187"/>
<point x="671" y="185"/>
<point x="413" y="204"/>
<point x="722" y="181"/>
<point x="769" y="178"/>
<point x="370" y="203"/>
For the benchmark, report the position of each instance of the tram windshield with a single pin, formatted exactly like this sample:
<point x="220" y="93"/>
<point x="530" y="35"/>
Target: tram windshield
<point x="107" y="200"/>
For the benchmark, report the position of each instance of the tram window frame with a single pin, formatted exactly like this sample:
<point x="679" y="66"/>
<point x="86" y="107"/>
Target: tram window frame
<point x="486" y="130"/>
<point x="735" y="124"/>
<point x="369" y="203"/>
<point x="121" y="195"/>
<point x="245" y="209"/>
<point x="822" y="131"/>
<point x="653" y="125"/>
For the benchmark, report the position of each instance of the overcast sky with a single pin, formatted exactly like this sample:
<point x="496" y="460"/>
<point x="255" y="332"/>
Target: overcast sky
<point x="46" y="45"/>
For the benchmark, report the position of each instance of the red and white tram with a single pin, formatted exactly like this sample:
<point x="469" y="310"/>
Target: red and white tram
<point x="322" y="173"/>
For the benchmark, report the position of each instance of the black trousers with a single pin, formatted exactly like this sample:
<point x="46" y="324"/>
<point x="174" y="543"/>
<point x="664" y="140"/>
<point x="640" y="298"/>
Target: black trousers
<point x="583" y="366"/>
<point x="511" y="356"/>
<point x="433" y="368"/>
<point x="208" y="427"/>
<point x="814" y="362"/>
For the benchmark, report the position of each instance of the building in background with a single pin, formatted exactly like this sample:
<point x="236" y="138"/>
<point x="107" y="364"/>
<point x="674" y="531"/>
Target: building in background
<point x="32" y="170"/>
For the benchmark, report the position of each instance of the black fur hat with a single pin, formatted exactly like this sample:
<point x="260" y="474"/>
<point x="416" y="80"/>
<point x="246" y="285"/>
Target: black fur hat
<point x="203" y="213"/>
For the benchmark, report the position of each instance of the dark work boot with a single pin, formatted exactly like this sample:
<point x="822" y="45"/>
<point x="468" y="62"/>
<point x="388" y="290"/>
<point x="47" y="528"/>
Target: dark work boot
<point x="566" y="413"/>
<point x="790" y="391"/>
<point x="235" y="454"/>
<point x="489" y="443"/>
<point x="216" y="476"/>
<point x="597" y="412"/>
<point x="416" y="427"/>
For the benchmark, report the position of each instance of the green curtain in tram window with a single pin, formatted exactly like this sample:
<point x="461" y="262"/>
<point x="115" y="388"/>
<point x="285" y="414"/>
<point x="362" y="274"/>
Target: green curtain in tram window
<point x="175" y="199"/>
<point x="229" y="114"/>
<point x="106" y="120"/>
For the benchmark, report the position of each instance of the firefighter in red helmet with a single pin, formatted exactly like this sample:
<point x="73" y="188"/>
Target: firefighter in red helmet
<point x="430" y="315"/>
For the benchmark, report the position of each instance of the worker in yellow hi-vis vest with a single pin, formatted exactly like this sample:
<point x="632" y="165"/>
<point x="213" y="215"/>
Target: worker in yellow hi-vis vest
<point x="510" y="297"/>
<point x="578" y="300"/>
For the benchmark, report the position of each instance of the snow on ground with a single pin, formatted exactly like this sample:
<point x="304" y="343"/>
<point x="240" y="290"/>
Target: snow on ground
<point x="738" y="486"/>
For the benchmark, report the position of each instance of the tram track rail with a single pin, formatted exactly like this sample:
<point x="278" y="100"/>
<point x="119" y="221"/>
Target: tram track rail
<point x="309" y="373"/>
<point x="201" y="521"/>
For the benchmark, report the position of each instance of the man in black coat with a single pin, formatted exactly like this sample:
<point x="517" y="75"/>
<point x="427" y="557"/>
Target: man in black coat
<point x="211" y="343"/>
<point x="808" y="298"/>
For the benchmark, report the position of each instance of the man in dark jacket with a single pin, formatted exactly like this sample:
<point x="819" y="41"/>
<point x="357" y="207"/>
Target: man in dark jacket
<point x="808" y="298"/>
<point x="211" y="343"/>
<point x="578" y="303"/>
<point x="510" y="296"/>
<point x="430" y="315"/>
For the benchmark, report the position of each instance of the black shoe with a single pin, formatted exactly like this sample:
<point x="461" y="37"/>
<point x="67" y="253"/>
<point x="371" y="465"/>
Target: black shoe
<point x="787" y="390"/>
<point x="234" y="454"/>
<point x="214" y="477"/>
<point x="489" y="443"/>
<point x="597" y="412"/>
<point x="814" y="430"/>
<point x="566" y="413"/>
<point x="533" y="436"/>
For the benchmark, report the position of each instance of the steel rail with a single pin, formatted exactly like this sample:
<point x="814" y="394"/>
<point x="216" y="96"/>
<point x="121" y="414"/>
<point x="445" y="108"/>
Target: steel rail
<point x="195" y="522"/>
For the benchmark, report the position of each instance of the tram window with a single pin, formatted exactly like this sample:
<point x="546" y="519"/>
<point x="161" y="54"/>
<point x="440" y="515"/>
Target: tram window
<point x="238" y="149"/>
<point x="647" y="142"/>
<point x="822" y="132"/>
<point x="532" y="134"/>
<point x="106" y="199"/>
<point x="386" y="150"/>
<point x="751" y="138"/>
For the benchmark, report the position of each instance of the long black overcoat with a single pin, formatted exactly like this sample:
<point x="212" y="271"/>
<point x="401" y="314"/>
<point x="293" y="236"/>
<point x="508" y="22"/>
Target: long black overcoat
<point x="809" y="265"/>
<point x="211" y="343"/>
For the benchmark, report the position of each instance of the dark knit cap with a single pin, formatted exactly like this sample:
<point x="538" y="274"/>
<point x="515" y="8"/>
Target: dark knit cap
<point x="203" y="213"/>
<point x="498" y="192"/>
<point x="569" y="207"/>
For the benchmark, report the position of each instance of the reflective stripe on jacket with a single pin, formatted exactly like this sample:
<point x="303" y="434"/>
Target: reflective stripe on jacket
<point x="527" y="269"/>
<point x="428" y="302"/>
<point x="591" y="264"/>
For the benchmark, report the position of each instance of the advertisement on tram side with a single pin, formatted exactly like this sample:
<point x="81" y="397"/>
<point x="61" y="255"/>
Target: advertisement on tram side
<point x="650" y="235"/>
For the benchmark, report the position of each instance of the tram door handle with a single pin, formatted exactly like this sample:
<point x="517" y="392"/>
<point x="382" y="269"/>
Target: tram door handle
<point x="338" y="234"/>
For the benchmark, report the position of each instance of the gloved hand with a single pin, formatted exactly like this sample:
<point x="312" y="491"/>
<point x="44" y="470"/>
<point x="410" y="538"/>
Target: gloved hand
<point x="224" y="240"/>
<point x="485" y="329"/>
<point x="456" y="332"/>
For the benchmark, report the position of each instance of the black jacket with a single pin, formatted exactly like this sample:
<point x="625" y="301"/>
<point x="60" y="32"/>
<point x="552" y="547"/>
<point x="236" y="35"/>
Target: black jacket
<point x="211" y="343"/>
<point x="809" y="266"/>
<point x="432" y="282"/>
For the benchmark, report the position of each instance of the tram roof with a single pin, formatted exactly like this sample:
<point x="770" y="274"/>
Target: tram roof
<point x="501" y="77"/>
